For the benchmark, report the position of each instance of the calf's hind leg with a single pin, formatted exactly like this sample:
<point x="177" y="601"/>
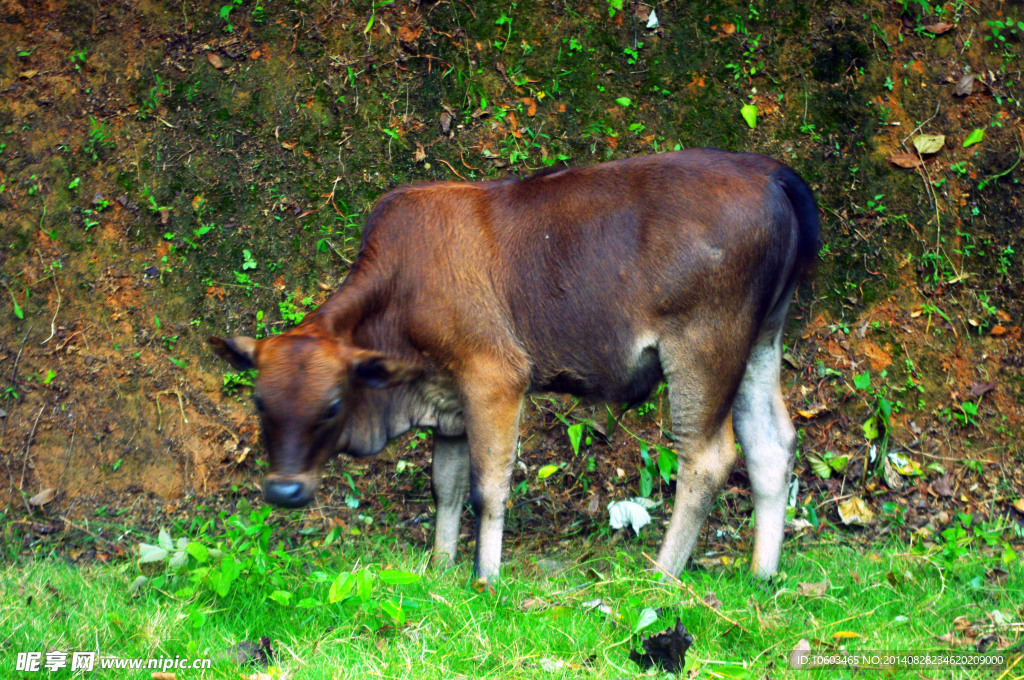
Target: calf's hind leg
<point x="450" y="486"/>
<point x="766" y="433"/>
<point x="698" y="390"/>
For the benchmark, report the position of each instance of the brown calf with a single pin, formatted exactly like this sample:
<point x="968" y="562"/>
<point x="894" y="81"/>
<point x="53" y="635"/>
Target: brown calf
<point x="597" y="281"/>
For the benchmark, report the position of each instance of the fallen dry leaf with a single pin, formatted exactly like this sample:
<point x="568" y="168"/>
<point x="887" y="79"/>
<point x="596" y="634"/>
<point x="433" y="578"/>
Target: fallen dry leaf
<point x="42" y="498"/>
<point x="855" y="511"/>
<point x="813" y="411"/>
<point x="966" y="85"/>
<point x="814" y="589"/>
<point x="998" y="330"/>
<point x="1018" y="505"/>
<point x="906" y="160"/>
<point x="409" y="34"/>
<point x="157" y="675"/>
<point x="942" y="487"/>
<point x="712" y="601"/>
<point x="28" y="75"/>
<point x="531" y="106"/>
<point x="798" y="657"/>
<point x="939" y="28"/>
<point x="288" y="145"/>
<point x="928" y="144"/>
<point x="215" y="60"/>
<point x="531" y="603"/>
<point x="420" y="154"/>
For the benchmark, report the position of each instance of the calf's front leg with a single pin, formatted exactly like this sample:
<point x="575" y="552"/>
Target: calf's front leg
<point x="491" y="403"/>
<point x="450" y="477"/>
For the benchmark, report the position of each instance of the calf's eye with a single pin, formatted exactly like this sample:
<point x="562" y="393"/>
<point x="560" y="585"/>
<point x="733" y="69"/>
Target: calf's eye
<point x="258" y="403"/>
<point x="333" y="410"/>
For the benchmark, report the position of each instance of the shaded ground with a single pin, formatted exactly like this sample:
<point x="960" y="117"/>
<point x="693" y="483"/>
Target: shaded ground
<point x="171" y="170"/>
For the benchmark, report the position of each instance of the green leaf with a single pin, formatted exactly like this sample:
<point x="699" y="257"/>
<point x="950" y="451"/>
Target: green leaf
<point x="282" y="597"/>
<point x="749" y="113"/>
<point x="50" y="375"/>
<point x="646" y="482"/>
<point x="152" y="553"/>
<point x="862" y="381"/>
<point x="398" y="578"/>
<point x="646" y="618"/>
<point x="575" y="433"/>
<point x="546" y="471"/>
<point x="198" y="551"/>
<point x="364" y="585"/>
<point x="668" y="462"/>
<point x="623" y="101"/>
<point x="820" y="467"/>
<point x="977" y="134"/>
<point x="341" y="587"/>
<point x="870" y="428"/>
<point x="17" y="310"/>
<point x="394" y="610"/>
<point x="156" y="321"/>
<point x="839" y="463"/>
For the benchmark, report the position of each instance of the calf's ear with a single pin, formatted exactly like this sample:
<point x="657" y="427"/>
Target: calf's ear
<point x="239" y="351"/>
<point x="376" y="370"/>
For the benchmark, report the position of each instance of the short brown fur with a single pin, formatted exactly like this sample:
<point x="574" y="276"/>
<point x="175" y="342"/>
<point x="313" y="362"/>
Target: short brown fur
<point x="597" y="281"/>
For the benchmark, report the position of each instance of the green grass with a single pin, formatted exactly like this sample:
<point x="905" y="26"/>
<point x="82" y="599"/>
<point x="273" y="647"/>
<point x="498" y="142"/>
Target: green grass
<point x="546" y="619"/>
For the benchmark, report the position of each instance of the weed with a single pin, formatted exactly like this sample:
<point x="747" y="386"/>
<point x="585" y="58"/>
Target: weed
<point x="151" y="102"/>
<point x="98" y="137"/>
<point x="225" y="15"/>
<point x="233" y="382"/>
<point x="290" y="313"/>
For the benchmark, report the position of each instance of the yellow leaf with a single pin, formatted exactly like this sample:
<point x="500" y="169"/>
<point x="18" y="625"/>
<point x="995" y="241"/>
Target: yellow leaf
<point x="845" y="635"/>
<point x="855" y="511"/>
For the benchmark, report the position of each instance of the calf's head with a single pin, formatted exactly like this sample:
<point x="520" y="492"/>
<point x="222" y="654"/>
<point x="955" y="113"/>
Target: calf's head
<point x="305" y="391"/>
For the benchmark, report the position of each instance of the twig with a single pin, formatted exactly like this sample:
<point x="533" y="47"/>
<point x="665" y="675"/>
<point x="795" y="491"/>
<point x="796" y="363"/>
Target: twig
<point x="441" y="160"/>
<point x="181" y="405"/>
<point x="71" y="524"/>
<point x="695" y="596"/>
<point x="340" y="256"/>
<point x="28" y="445"/>
<point x="53" y="321"/>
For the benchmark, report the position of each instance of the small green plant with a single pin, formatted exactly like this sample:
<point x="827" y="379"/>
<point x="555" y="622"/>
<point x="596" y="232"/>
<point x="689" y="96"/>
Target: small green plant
<point x="665" y="465"/>
<point x="614" y="6"/>
<point x="225" y="15"/>
<point x="243" y="279"/>
<point x="151" y="101"/>
<point x="77" y="58"/>
<point x="250" y="262"/>
<point x="878" y="424"/>
<point x="233" y="382"/>
<point x="147" y="196"/>
<point x="98" y="137"/>
<point x="290" y="312"/>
